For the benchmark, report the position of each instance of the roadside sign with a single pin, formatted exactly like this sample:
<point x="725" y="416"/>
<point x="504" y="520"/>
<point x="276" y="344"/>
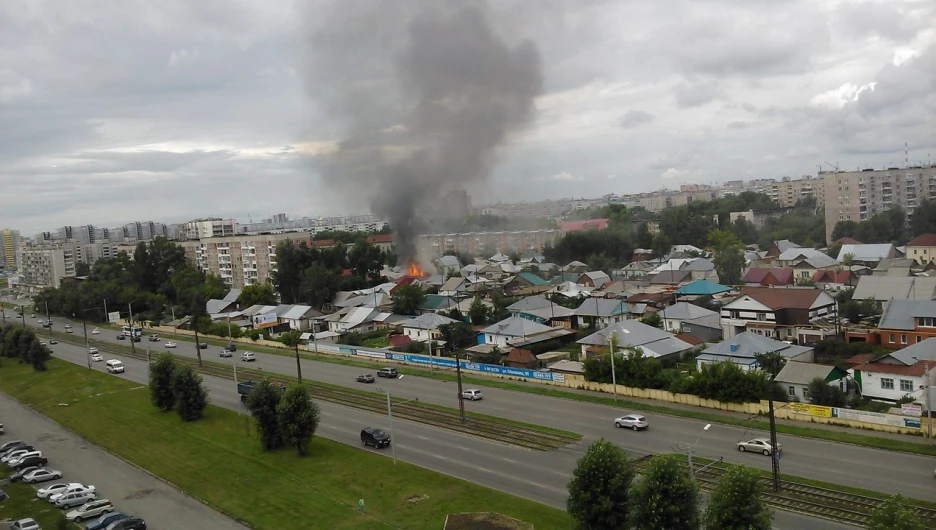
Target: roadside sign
<point x="113" y="317"/>
<point x="911" y="409"/>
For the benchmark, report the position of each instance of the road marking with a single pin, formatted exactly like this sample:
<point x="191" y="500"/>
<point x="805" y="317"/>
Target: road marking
<point x="509" y="460"/>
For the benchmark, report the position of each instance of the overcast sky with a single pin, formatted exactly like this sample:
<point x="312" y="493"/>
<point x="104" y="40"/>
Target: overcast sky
<point x="122" y="110"/>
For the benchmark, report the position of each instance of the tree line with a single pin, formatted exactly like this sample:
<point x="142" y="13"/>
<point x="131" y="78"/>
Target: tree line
<point x="891" y="226"/>
<point x="22" y="344"/>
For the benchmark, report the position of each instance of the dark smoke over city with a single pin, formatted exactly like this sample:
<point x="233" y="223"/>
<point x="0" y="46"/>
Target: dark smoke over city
<point x="425" y="93"/>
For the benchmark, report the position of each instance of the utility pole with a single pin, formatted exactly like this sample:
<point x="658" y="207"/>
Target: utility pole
<point x="927" y="385"/>
<point x="84" y="326"/>
<point x="48" y="318"/>
<point x="132" y="333"/>
<point x="611" y="339"/>
<point x="774" y="454"/>
<point x="461" y="398"/>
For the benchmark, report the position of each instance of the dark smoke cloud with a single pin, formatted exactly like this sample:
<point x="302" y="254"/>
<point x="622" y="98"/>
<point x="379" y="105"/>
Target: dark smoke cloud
<point x="426" y="93"/>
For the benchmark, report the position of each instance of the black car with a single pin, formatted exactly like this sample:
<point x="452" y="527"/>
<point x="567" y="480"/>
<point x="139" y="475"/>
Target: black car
<point x="202" y="345"/>
<point x="388" y="372"/>
<point x="18" y="476"/>
<point x="365" y="378"/>
<point x="103" y="521"/>
<point x="374" y="437"/>
<point x="53" y="341"/>
<point x="137" y="339"/>
<point x="32" y="461"/>
<point x="10" y="445"/>
<point x="121" y="337"/>
<point x="231" y="347"/>
<point x="130" y="523"/>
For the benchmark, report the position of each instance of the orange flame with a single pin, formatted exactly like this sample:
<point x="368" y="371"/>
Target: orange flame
<point x="414" y="270"/>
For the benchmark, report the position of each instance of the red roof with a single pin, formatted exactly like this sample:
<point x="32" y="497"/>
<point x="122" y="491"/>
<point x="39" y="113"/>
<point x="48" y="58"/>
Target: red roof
<point x="861" y="358"/>
<point x="782" y="298"/>
<point x="831" y="276"/>
<point x="769" y="275"/>
<point x="404" y="280"/>
<point x="899" y="369"/>
<point x="587" y="224"/>
<point x="399" y="340"/>
<point x="846" y="241"/>
<point x="318" y="243"/>
<point x="380" y="238"/>
<point x="925" y="240"/>
<point x="690" y="339"/>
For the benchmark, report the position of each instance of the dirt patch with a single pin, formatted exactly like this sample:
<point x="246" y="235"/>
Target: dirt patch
<point x="484" y="521"/>
<point x="417" y="498"/>
<point x="139" y="494"/>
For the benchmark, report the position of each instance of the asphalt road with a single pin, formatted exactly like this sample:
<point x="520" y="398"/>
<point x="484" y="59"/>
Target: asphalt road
<point x="131" y="490"/>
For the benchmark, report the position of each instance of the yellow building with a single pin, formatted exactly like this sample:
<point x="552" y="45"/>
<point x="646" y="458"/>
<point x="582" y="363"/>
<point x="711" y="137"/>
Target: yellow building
<point x="922" y="249"/>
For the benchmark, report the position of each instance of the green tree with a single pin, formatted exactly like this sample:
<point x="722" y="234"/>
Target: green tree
<point x="666" y="498"/>
<point x="923" y="219"/>
<point x="729" y="256"/>
<point x="292" y="339"/>
<point x="257" y="294"/>
<point x="291" y="262"/>
<point x="653" y="319"/>
<point x="770" y="362"/>
<point x="599" y="490"/>
<point x="190" y="396"/>
<point x="736" y="503"/>
<point x="160" y="382"/>
<point x="895" y="514"/>
<point x="457" y="335"/>
<point x="644" y="238"/>
<point x="408" y="298"/>
<point x="366" y="261"/>
<point x="263" y="401"/>
<point x="478" y="312"/>
<point x="662" y="245"/>
<point x="821" y="393"/>
<point x="318" y="285"/>
<point x="38" y="355"/>
<point x="298" y="418"/>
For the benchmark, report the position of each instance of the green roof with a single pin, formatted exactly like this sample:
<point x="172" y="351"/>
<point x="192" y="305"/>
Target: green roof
<point x="702" y="287"/>
<point x="436" y="301"/>
<point x="534" y="279"/>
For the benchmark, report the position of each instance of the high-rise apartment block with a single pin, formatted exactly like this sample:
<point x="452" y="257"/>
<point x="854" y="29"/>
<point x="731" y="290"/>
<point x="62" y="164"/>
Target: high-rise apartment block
<point x="239" y="260"/>
<point x="10" y="255"/>
<point x="208" y="228"/>
<point x="479" y="243"/>
<point x="788" y="192"/>
<point x="859" y="195"/>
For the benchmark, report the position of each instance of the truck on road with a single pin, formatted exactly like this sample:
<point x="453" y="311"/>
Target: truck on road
<point x="245" y="388"/>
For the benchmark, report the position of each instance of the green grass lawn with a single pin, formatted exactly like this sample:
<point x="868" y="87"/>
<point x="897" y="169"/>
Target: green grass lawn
<point x="215" y="460"/>
<point x="24" y="503"/>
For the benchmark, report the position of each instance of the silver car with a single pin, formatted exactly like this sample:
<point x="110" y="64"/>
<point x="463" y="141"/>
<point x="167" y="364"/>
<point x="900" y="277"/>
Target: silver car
<point x="72" y="488"/>
<point x="41" y="475"/>
<point x="759" y="445"/>
<point x="90" y="510"/>
<point x="632" y="421"/>
<point x="75" y="499"/>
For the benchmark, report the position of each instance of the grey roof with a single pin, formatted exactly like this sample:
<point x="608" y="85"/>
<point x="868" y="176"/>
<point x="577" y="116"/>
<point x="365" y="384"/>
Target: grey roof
<point x="800" y="373"/>
<point x="215" y="306"/>
<point x="530" y="302"/>
<point x="296" y="312"/>
<point x="866" y="252"/>
<point x="597" y="277"/>
<point x="516" y="327"/>
<point x="785" y="244"/>
<point x="900" y="314"/>
<point x="258" y="310"/>
<point x="791" y="254"/>
<point x="883" y="288"/>
<point x="700" y="264"/>
<point x="547" y="313"/>
<point x="449" y="261"/>
<point x="677" y="276"/>
<point x="820" y="261"/>
<point x="428" y="321"/>
<point x="602" y="307"/>
<point x="455" y="283"/>
<point x="654" y="341"/>
<point x="925" y="350"/>
<point x="686" y="311"/>
<point x="748" y="344"/>
<point x="232" y="295"/>
<point x="282" y="309"/>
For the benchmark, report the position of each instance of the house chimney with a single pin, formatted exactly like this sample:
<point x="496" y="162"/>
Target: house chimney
<point x="733" y="348"/>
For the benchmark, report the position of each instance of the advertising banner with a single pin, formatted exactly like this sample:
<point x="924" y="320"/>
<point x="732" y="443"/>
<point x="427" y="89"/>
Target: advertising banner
<point x="911" y="409"/>
<point x="812" y="410"/>
<point x="879" y="418"/>
<point x="113" y="317"/>
<point x="266" y="320"/>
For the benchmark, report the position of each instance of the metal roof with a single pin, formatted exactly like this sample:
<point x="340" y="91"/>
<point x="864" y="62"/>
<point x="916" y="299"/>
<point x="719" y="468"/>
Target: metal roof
<point x="867" y="252"/>
<point x="882" y="288"/>
<point x="748" y="344"/>
<point x="515" y="327"/>
<point x="801" y="373"/>
<point x="900" y="314"/>
<point x="428" y="321"/>
<point x="687" y="311"/>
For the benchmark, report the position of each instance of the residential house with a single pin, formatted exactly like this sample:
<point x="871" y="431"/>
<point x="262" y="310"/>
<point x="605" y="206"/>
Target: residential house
<point x="593" y="279"/>
<point x="898" y="374"/>
<point x="542" y="311"/>
<point x="679" y="313"/>
<point x="701" y="269"/>
<point x="449" y="265"/>
<point x="632" y="333"/>
<point x="436" y="302"/>
<point x="702" y="288"/>
<point x="219" y="307"/>
<point x="884" y="288"/>
<point x="688" y="250"/>
<point x="565" y="366"/>
<point x="574" y="268"/>
<point x="922" y="249"/>
<point x="674" y="277"/>
<point x="779" y="247"/>
<point x="525" y="280"/>
<point x="832" y="280"/>
<point x="805" y="262"/>
<point x="506" y="332"/>
<point x="261" y="316"/>
<point x="602" y="312"/>
<point x="298" y="317"/>
<point x="425" y="327"/>
<point x="352" y="319"/>
<point x="655" y="300"/>
<point x="795" y="377"/>
<point x="767" y="276"/>
<point x="454" y="286"/>
<point x="532" y="256"/>
<point x="522" y="358"/>
<point x="743" y="348"/>
<point x="781" y="313"/>
<point x="894" y="267"/>
<point x="499" y="258"/>
<point x="907" y="322"/>
<point x="868" y="255"/>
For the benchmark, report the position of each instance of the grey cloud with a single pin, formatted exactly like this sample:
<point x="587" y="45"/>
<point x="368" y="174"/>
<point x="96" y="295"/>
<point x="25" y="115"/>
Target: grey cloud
<point x="738" y="125"/>
<point x="690" y="95"/>
<point x="634" y="118"/>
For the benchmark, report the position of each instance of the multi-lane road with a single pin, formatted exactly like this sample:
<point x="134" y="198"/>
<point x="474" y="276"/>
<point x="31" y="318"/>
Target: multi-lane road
<point x="542" y="476"/>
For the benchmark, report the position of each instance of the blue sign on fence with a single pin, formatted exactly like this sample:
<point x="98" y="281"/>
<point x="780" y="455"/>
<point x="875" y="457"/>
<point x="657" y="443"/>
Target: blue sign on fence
<point x="478" y="367"/>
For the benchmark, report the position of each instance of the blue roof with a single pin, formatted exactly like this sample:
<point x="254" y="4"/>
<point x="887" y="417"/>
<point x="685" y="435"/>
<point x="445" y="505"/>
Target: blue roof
<point x="534" y="279"/>
<point x="702" y="287"/>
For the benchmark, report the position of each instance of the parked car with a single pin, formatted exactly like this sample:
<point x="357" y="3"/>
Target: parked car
<point x="75" y="499"/>
<point x="12" y="458"/>
<point x="103" y="521"/>
<point x="3" y="496"/>
<point x="226" y="353"/>
<point x="39" y="461"/>
<point x="365" y="378"/>
<point x="472" y="393"/>
<point x="72" y="488"/>
<point x="41" y="475"/>
<point x="388" y="372"/>
<point x="759" y="445"/>
<point x="55" y="489"/>
<point x="1" y="429"/>
<point x="632" y="421"/>
<point x="90" y="510"/>
<point x="15" y="451"/>
<point x="18" y="476"/>
<point x="95" y="331"/>
<point x="92" y="350"/>
<point x="114" y="366"/>
<point x="169" y="344"/>
<point x="68" y="326"/>
<point x="12" y="444"/>
<point x="121" y="337"/>
<point x="15" y="462"/>
<point x="130" y="523"/>
<point x="97" y="357"/>
<point x="154" y="338"/>
<point x="374" y="437"/>
<point x="25" y="524"/>
<point x="248" y="357"/>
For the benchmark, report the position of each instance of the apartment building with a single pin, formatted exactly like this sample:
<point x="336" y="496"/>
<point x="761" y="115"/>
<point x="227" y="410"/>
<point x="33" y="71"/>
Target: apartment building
<point x="788" y="192"/>
<point x="46" y="267"/>
<point x="139" y="231"/>
<point x="209" y="228"/>
<point x="657" y="201"/>
<point x="478" y="243"/>
<point x="548" y="208"/>
<point x="10" y="255"/>
<point x="860" y="195"/>
<point x="239" y="260"/>
<point x="279" y="223"/>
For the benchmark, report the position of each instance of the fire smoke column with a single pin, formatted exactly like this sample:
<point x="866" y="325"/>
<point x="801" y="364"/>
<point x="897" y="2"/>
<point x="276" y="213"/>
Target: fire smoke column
<point x="426" y="94"/>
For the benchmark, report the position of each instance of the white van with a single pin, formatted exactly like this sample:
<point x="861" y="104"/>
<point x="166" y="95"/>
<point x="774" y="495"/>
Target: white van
<point x="115" y="367"/>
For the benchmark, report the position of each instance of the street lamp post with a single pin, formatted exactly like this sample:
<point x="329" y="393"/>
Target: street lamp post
<point x="611" y="340"/>
<point x="926" y="397"/>
<point x="390" y="418"/>
<point x="693" y="446"/>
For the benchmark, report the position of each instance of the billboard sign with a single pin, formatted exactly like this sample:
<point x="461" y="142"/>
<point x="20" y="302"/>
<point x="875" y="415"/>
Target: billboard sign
<point x="113" y="317"/>
<point x="266" y="320"/>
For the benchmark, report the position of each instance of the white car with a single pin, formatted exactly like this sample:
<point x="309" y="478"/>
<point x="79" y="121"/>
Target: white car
<point x="90" y="510"/>
<point x="77" y="498"/>
<point x="15" y="454"/>
<point x="41" y="475"/>
<point x="95" y="331"/>
<point x="759" y="445"/>
<point x="472" y="393"/>
<point x="72" y="488"/>
<point x="169" y="344"/>
<point x="55" y="489"/>
<point x="632" y="421"/>
<point x="97" y="357"/>
<point x="92" y="350"/>
<point x="68" y="330"/>
<point x="248" y="357"/>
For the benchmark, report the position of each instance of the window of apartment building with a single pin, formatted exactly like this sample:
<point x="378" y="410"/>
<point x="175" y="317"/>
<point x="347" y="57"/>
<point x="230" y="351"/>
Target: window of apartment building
<point x="891" y="340"/>
<point x="906" y="385"/>
<point x="903" y="338"/>
<point x="762" y="316"/>
<point x="887" y="383"/>
<point x="927" y="322"/>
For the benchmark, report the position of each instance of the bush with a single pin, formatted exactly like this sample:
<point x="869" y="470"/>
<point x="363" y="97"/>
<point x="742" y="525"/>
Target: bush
<point x="729" y="383"/>
<point x="190" y="396"/>
<point x="298" y="418"/>
<point x="160" y="382"/>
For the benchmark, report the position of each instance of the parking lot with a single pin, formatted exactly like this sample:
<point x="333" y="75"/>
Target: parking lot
<point x="131" y="490"/>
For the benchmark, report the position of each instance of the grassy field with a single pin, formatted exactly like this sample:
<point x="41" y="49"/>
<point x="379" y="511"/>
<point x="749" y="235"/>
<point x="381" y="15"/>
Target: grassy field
<point x="24" y="503"/>
<point x="215" y="460"/>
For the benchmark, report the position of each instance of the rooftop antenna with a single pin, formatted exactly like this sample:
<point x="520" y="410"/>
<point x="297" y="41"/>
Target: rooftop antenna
<point x="906" y="156"/>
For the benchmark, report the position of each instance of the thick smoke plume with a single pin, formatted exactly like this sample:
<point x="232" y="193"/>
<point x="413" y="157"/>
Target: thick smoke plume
<point x="425" y="92"/>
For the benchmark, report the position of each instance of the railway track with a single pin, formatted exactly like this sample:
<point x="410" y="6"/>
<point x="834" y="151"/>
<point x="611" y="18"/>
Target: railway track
<point x="491" y="429"/>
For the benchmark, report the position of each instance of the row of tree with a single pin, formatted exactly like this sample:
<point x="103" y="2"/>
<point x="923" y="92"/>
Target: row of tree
<point x="890" y="226"/>
<point x="177" y="386"/>
<point x="605" y="492"/>
<point x="284" y="419"/>
<point x="18" y="342"/>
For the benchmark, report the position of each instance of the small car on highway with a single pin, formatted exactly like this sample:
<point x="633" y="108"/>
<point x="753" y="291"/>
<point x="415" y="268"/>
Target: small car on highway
<point x="32" y="315"/>
<point x="248" y="357"/>
<point x="374" y="437"/>
<point x="365" y="378"/>
<point x="169" y="344"/>
<point x="154" y="338"/>
<point x="77" y="498"/>
<point x="201" y="345"/>
<point x="55" y="489"/>
<point x="231" y="347"/>
<point x="632" y="421"/>
<point x="114" y="366"/>
<point x="759" y="445"/>
<point x="97" y="357"/>
<point x="90" y="510"/>
<point x="95" y="331"/>
<point x="41" y="475"/>
<point x="121" y="337"/>
<point x="226" y="353"/>
<point x="105" y="520"/>
<point x="92" y="350"/>
<point x="53" y="341"/>
<point x="130" y="523"/>
<point x="388" y="372"/>
<point x="472" y="394"/>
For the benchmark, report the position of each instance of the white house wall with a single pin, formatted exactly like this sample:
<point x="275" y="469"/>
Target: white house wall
<point x="871" y="385"/>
